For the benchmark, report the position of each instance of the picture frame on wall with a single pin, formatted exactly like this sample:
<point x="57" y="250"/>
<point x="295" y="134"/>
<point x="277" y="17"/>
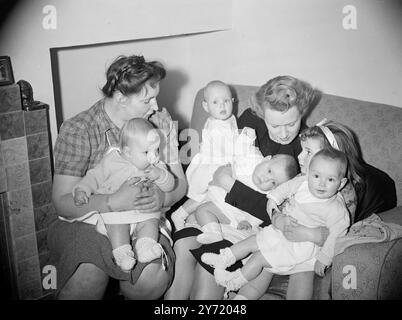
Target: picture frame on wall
<point x="6" y="71"/>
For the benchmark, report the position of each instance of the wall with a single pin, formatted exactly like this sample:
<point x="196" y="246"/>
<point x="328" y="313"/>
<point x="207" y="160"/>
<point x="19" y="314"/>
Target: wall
<point x="302" y="38"/>
<point x="306" y="39"/>
<point x="260" y="39"/>
<point x="95" y="22"/>
<point x="93" y="62"/>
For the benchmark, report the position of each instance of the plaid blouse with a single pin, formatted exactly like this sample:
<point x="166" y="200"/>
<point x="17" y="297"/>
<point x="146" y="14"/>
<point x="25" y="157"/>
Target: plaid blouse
<point x="85" y="138"/>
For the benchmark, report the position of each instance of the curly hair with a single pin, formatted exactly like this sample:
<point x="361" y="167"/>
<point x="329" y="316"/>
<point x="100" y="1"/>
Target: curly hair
<point x="128" y="74"/>
<point x="282" y="93"/>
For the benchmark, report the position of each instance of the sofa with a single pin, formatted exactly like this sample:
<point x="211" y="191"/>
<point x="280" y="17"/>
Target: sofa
<point x="376" y="267"/>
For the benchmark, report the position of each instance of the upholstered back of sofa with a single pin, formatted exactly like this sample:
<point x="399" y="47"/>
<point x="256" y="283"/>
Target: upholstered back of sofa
<point x="378" y="126"/>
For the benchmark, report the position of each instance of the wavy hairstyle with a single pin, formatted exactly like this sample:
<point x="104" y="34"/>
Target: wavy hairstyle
<point x="128" y="74"/>
<point x="282" y="93"/>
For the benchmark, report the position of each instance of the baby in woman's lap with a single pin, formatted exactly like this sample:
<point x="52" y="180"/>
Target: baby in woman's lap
<point x="263" y="177"/>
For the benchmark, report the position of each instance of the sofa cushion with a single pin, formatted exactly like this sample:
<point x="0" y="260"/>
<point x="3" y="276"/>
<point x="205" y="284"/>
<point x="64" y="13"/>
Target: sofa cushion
<point x="390" y="282"/>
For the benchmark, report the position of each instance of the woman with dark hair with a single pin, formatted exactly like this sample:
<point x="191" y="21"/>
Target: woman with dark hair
<point x="82" y="256"/>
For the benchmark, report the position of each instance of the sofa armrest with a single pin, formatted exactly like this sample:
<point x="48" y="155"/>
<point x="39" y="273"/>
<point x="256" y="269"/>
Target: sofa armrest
<point x="368" y="271"/>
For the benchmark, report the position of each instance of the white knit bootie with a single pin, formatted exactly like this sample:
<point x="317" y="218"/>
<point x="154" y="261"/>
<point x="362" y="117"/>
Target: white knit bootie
<point x="147" y="249"/>
<point x="224" y="259"/>
<point x="212" y="232"/>
<point x="232" y="281"/>
<point x="124" y="257"/>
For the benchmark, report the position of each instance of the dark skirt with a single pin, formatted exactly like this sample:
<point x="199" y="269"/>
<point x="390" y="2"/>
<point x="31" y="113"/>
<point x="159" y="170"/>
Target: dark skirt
<point x="74" y="243"/>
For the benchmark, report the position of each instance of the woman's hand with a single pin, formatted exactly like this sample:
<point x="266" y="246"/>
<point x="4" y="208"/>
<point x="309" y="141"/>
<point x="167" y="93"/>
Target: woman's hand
<point x="320" y="268"/>
<point x="150" y="199"/>
<point x="162" y="120"/>
<point x="123" y="199"/>
<point x="223" y="178"/>
<point x="298" y="233"/>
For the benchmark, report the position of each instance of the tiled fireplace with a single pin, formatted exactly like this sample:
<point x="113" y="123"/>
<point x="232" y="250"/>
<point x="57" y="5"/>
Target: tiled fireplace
<point x="25" y="195"/>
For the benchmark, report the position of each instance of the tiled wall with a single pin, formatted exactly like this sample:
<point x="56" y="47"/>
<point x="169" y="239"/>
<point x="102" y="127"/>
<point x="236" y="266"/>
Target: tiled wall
<point x="25" y="194"/>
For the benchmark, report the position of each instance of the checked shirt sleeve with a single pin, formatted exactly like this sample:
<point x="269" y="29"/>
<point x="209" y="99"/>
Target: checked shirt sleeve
<point x="72" y="150"/>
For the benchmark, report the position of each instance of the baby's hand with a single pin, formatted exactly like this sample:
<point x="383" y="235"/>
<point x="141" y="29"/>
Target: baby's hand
<point x="244" y="225"/>
<point x="320" y="268"/>
<point x="222" y="177"/>
<point x="272" y="207"/>
<point x="153" y="173"/>
<point x="80" y="197"/>
<point x="280" y="221"/>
